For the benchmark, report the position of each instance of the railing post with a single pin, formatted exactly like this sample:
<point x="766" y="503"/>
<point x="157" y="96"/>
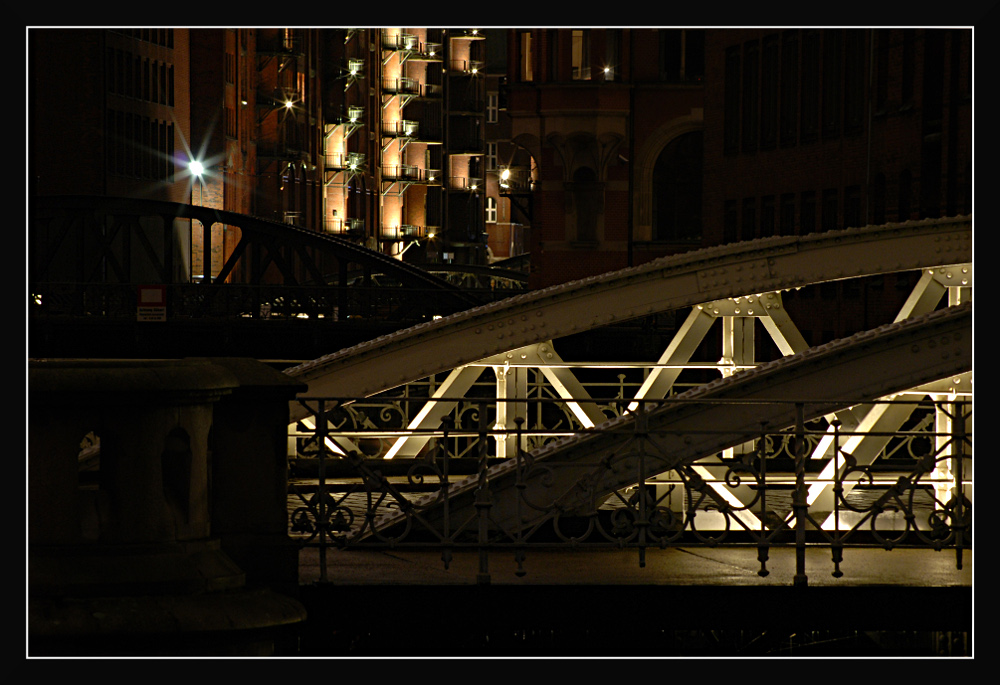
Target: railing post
<point x="641" y="432"/>
<point x="838" y="490"/>
<point x="483" y="501"/>
<point x="322" y="516"/>
<point x="799" y="503"/>
<point x="762" y="547"/>
<point x="958" y="456"/>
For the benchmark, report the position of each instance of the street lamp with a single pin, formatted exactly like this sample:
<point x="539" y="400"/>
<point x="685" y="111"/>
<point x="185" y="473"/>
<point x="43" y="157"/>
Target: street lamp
<point x="197" y="169"/>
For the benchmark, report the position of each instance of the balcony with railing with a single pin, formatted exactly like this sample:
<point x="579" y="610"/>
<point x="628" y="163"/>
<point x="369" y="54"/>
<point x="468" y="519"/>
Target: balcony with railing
<point x="403" y="85"/>
<point x="466" y="66"/>
<point x="341" y="161"/>
<point x="401" y="232"/>
<point x="465" y="183"/>
<point x="399" y="41"/>
<point x="356" y="68"/>
<point x="347" y="228"/>
<point x="429" y="52"/>
<point x="401" y="172"/>
<point x="400" y="129"/>
<point x="431" y="90"/>
<point x="515" y="180"/>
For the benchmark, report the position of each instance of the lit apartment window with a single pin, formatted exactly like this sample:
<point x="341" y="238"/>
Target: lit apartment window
<point x="491" y="108"/>
<point x="491" y="210"/>
<point x="581" y="55"/>
<point x="526" y="58"/>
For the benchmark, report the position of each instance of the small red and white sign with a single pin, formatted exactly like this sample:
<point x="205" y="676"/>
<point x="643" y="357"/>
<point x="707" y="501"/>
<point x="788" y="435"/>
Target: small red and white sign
<point x="151" y="303"/>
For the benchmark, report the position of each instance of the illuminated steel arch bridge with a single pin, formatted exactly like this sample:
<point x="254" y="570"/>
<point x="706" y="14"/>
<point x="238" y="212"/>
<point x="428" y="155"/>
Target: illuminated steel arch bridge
<point x="832" y="410"/>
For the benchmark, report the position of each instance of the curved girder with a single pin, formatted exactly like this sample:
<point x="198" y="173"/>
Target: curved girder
<point x="716" y="416"/>
<point x="667" y="283"/>
<point x="254" y="230"/>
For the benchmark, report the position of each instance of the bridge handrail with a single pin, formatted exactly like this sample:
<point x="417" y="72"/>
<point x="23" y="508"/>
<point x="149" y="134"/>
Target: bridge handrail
<point x="48" y="206"/>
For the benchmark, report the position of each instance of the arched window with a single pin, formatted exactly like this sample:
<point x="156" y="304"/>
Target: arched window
<point x="677" y="190"/>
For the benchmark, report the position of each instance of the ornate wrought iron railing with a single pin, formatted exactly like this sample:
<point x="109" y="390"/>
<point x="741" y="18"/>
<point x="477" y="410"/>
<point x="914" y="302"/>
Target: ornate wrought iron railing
<point x="761" y="494"/>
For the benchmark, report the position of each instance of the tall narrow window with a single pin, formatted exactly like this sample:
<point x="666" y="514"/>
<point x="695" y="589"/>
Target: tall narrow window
<point x="527" y="73"/>
<point x="787" y="219"/>
<point x="854" y="81"/>
<point x="809" y="125"/>
<point x="852" y="207"/>
<point x="612" y="39"/>
<point x="677" y="190"/>
<point x="751" y="95"/>
<point x="491" y="210"/>
<point x="833" y="96"/>
<point x="905" y="195"/>
<point x="730" y="222"/>
<point x="581" y="54"/>
<point x="748" y="227"/>
<point x="552" y="47"/>
<point x="694" y="54"/>
<point x="830" y="207"/>
<point x="881" y="70"/>
<point x="878" y="200"/>
<point x="767" y="216"/>
<point x="731" y="121"/>
<point x="491" y="108"/>
<point x="789" y="87"/>
<point x="154" y="87"/>
<point x="491" y="156"/>
<point x="909" y="66"/>
<point x="769" y="92"/>
<point x="807" y="213"/>
<point x="671" y="54"/>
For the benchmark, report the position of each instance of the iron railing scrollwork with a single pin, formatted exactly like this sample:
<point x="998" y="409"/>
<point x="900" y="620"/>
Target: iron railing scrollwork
<point x="763" y="494"/>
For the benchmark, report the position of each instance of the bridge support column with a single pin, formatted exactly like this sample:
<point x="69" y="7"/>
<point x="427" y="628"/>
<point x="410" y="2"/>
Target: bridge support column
<point x="122" y="558"/>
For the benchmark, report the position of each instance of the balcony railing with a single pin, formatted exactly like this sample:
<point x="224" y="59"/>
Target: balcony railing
<point x="466" y="66"/>
<point x="400" y="129"/>
<point x="399" y="41"/>
<point x="751" y="498"/>
<point x="467" y="183"/>
<point x="431" y="51"/>
<point x="349" y="228"/>
<point x="356" y="68"/>
<point x="349" y="160"/>
<point x="431" y="90"/>
<point x="401" y="172"/>
<point x="402" y="85"/>
<point x="401" y="232"/>
<point x="515" y="180"/>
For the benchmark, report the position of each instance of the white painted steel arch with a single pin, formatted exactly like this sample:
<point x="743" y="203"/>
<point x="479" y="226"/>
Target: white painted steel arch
<point x="830" y="377"/>
<point x="769" y="264"/>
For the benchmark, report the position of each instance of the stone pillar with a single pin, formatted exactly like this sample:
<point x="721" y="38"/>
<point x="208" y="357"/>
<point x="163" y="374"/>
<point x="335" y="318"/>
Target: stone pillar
<point x="250" y="474"/>
<point x="121" y="558"/>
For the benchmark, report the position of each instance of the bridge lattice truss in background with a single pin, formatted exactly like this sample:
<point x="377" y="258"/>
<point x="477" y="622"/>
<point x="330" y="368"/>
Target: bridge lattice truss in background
<point x="88" y="254"/>
<point x="829" y="416"/>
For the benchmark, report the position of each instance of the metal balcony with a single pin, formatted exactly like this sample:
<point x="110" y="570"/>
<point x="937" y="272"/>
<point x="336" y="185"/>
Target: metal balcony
<point x="403" y="85"/>
<point x="401" y="172"/>
<point x="401" y="232"/>
<point x="400" y="129"/>
<point x="399" y="41"/>
<point x="466" y="183"/>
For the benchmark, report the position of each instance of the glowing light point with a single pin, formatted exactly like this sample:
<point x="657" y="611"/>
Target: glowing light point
<point x="197" y="168"/>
